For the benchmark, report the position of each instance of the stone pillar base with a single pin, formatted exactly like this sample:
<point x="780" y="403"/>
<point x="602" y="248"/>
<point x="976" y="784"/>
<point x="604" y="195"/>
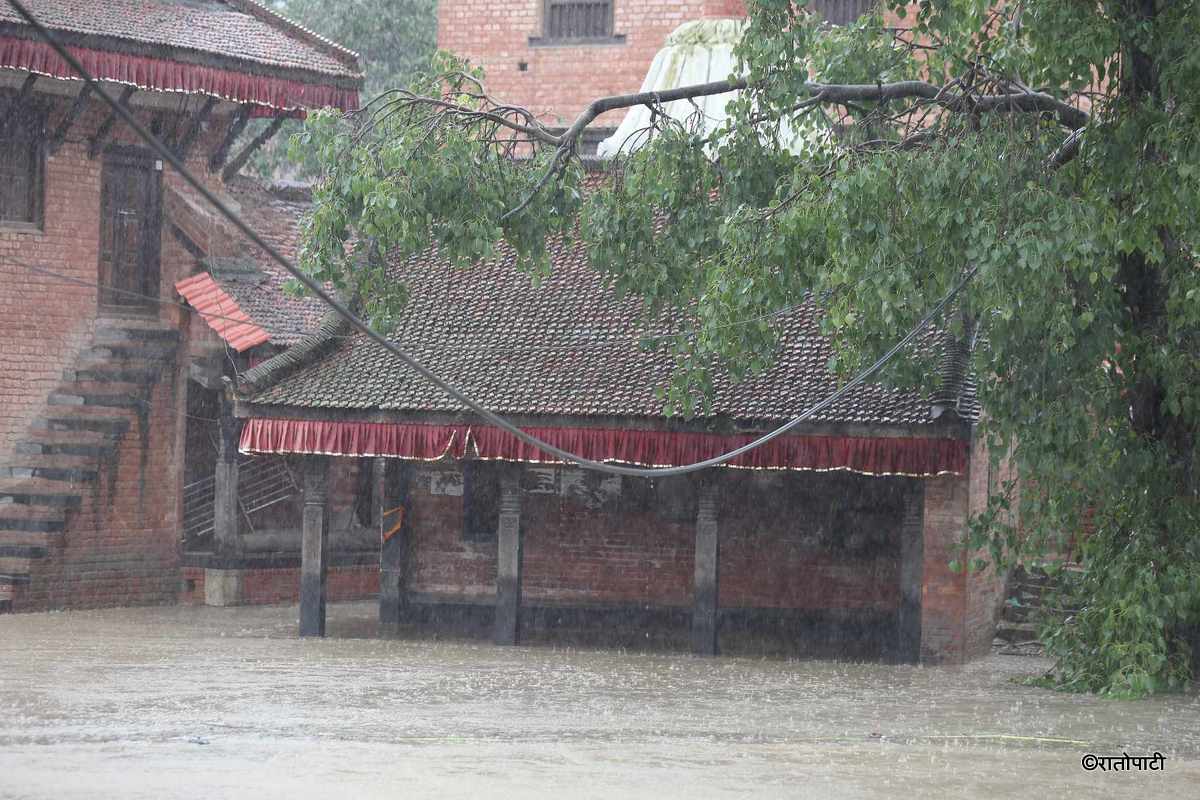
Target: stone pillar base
<point x="222" y="587"/>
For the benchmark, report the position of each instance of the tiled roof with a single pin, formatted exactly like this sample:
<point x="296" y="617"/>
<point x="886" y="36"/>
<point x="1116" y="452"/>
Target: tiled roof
<point x="255" y="291"/>
<point x="221" y="312"/>
<point x="230" y="30"/>
<point x="567" y="347"/>
<point x="275" y="214"/>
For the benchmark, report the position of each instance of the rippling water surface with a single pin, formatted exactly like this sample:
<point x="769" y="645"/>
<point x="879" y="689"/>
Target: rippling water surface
<point x="216" y="703"/>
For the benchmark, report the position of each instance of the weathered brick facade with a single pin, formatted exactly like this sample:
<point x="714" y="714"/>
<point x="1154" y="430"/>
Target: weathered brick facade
<point x="791" y="547"/>
<point x="121" y="546"/>
<point x="557" y="81"/>
<point x="119" y="542"/>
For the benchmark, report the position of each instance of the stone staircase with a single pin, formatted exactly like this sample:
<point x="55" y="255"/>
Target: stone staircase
<point x="74" y="441"/>
<point x="1027" y="593"/>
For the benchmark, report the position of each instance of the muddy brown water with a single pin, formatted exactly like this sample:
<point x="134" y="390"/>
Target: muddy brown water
<point x="215" y="703"/>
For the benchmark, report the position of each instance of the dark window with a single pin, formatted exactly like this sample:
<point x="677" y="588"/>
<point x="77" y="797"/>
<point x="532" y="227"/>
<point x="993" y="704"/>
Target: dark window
<point x="841" y="12"/>
<point x="577" y="19"/>
<point x="21" y="166"/>
<point x="481" y="501"/>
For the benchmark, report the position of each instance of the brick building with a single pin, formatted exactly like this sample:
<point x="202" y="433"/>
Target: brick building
<point x="555" y="56"/>
<point x="97" y="362"/>
<point x="835" y="538"/>
<point x="132" y="475"/>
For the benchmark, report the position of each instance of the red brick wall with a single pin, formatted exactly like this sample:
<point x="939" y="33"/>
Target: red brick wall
<point x="282" y="584"/>
<point x="560" y="81"/>
<point x="958" y="609"/>
<point x="629" y="552"/>
<point x="122" y="546"/>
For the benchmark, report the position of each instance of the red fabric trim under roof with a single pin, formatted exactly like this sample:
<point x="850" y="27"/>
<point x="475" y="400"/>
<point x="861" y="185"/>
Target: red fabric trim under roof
<point x="915" y="457"/>
<point x="163" y="75"/>
<point x="221" y="312"/>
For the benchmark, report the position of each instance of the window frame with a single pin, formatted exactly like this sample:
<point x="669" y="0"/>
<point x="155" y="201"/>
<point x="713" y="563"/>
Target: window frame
<point x="548" y="39"/>
<point x="30" y="117"/>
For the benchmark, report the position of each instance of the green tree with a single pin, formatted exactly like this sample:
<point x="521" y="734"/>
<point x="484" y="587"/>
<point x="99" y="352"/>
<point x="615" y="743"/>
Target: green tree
<point x="395" y="40"/>
<point x="1051" y="147"/>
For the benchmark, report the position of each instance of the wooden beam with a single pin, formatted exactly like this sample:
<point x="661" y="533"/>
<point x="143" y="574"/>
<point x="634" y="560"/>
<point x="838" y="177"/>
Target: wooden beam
<point x="392" y="502"/>
<point x="189" y="137"/>
<point x="226" y="521"/>
<point x="240" y="120"/>
<point x="60" y="133"/>
<point x="97" y="143"/>
<point x="707" y="557"/>
<point x="236" y="165"/>
<point x="314" y="546"/>
<point x="508" y="557"/>
<point x="194" y="250"/>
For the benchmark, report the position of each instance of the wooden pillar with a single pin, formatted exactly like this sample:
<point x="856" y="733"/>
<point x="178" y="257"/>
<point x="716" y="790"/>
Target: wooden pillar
<point x="704" y="598"/>
<point x="508" y="557"/>
<point x="393" y="509"/>
<point x="314" y="546"/>
<point x="226" y="536"/>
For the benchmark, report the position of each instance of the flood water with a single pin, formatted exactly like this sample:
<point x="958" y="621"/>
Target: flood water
<point x="216" y="703"/>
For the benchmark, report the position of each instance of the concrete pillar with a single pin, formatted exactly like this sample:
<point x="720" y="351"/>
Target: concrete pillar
<point x="508" y="557"/>
<point x="705" y="600"/>
<point x="226" y="519"/>
<point x="314" y="546"/>
<point x="393" y="508"/>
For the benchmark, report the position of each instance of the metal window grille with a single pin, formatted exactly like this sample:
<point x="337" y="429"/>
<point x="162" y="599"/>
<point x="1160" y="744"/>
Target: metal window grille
<point x="578" y="19"/>
<point x="262" y="481"/>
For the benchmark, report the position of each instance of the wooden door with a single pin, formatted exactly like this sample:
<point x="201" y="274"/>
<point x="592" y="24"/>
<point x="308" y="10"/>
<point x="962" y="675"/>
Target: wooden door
<point x="130" y="230"/>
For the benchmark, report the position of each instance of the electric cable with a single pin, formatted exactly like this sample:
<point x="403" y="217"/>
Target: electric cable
<point x="501" y="350"/>
<point x="495" y="419"/>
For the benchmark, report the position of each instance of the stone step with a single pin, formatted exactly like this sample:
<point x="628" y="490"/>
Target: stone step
<point x="125" y="331"/>
<point x="10" y="580"/>
<point x="86" y="387"/>
<point x="41" y="540"/>
<point x="17" y="560"/>
<point x="140" y="373"/>
<point x="67" y="446"/>
<point x="72" y="476"/>
<point x="38" y="492"/>
<point x="68" y="397"/>
<point x="157" y="353"/>
<point x="23" y="519"/>
<point x="111" y="421"/>
<point x="53" y="461"/>
<point x="1017" y="632"/>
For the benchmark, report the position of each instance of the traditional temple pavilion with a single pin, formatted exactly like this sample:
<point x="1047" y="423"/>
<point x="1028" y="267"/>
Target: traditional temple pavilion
<point x="835" y="539"/>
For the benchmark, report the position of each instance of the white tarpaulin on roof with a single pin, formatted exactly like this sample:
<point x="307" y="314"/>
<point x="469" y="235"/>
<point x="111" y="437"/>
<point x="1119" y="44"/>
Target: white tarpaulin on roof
<point x="696" y="52"/>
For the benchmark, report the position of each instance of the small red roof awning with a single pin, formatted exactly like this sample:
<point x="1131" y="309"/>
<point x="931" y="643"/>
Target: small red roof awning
<point x="164" y="75"/>
<point x="868" y="455"/>
<point x="221" y="312"/>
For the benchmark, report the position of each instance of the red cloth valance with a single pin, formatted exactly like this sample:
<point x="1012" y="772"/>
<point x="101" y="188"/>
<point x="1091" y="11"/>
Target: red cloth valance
<point x="916" y="457"/>
<point x="173" y="76"/>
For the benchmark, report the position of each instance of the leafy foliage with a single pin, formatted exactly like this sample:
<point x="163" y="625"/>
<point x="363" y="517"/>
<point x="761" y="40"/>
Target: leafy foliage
<point x="394" y="39"/>
<point x="1053" y="147"/>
